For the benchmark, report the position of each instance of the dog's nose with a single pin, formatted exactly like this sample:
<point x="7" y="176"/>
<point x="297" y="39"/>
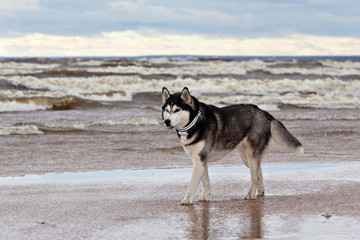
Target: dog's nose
<point x="167" y="122"/>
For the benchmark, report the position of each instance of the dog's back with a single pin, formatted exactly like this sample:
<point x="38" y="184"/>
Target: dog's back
<point x="236" y="122"/>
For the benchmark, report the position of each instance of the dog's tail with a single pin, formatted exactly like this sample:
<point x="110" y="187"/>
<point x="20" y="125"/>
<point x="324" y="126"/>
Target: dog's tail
<point x="284" y="139"/>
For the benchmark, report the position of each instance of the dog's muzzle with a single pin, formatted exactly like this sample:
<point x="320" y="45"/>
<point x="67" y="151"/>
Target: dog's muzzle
<point x="168" y="123"/>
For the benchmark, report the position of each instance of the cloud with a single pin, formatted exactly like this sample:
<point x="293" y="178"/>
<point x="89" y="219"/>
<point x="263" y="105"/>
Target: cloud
<point x="150" y="42"/>
<point x="157" y="27"/>
<point x="18" y="5"/>
<point x="231" y="18"/>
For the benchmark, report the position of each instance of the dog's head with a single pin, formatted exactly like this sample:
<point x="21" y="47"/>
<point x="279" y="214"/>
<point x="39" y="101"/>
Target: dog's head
<point x="178" y="108"/>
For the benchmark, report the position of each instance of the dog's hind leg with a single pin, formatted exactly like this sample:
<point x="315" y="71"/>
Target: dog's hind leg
<point x="253" y="179"/>
<point x="197" y="175"/>
<point x="206" y="185"/>
<point x="241" y="151"/>
<point x="255" y="169"/>
<point x="256" y="175"/>
<point x="260" y="187"/>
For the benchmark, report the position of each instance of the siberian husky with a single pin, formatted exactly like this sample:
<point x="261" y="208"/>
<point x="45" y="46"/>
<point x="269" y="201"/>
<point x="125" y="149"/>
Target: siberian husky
<point x="208" y="133"/>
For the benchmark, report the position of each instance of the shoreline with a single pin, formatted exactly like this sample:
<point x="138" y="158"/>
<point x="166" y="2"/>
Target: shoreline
<point x="121" y="174"/>
<point x="146" y="206"/>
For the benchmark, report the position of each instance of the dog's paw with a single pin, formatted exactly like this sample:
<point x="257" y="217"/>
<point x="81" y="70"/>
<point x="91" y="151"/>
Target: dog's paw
<point x="186" y="202"/>
<point x="249" y="197"/>
<point x="261" y="194"/>
<point x="204" y="198"/>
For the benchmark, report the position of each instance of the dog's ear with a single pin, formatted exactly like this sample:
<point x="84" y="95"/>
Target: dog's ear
<point x="185" y="95"/>
<point x="165" y="94"/>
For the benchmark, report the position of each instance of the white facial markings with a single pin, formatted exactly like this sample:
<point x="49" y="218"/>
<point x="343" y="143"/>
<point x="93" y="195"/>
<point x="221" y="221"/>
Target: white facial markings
<point x="178" y="117"/>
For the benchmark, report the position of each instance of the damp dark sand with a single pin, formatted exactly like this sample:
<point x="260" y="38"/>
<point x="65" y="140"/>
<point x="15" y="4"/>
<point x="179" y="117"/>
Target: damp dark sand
<point x="144" y="204"/>
<point x="78" y="185"/>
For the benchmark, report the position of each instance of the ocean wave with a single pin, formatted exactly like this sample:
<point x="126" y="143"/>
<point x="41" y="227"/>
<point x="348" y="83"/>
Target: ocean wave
<point x="326" y="92"/>
<point x="20" y="130"/>
<point x="339" y="117"/>
<point x="225" y="67"/>
<point x="94" y="125"/>
<point x="12" y="67"/>
<point x="93" y="88"/>
<point x="341" y="64"/>
<point x="18" y="71"/>
<point x="36" y="103"/>
<point x="127" y="85"/>
<point x="182" y="66"/>
<point x="274" y="102"/>
<point x="65" y="83"/>
<point x="130" y="121"/>
<point x="327" y="71"/>
<point x="191" y="69"/>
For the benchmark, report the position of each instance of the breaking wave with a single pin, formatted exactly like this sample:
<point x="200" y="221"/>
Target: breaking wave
<point x="102" y="122"/>
<point x="42" y="84"/>
<point x="37" y="103"/>
<point x="319" y="93"/>
<point x="20" y="130"/>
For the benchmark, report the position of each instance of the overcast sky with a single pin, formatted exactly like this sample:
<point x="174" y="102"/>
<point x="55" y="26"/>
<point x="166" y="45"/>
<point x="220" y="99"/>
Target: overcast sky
<point x="158" y="27"/>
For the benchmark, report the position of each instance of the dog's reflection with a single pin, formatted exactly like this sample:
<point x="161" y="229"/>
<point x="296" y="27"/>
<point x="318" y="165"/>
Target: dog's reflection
<point x="226" y="219"/>
<point x="199" y="221"/>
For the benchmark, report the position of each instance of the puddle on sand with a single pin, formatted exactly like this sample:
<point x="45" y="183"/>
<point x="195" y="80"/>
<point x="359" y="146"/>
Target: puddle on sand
<point x="159" y="173"/>
<point x="291" y="213"/>
<point x="206" y="222"/>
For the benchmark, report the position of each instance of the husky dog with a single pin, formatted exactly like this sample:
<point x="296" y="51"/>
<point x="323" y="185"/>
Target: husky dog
<point x="208" y="133"/>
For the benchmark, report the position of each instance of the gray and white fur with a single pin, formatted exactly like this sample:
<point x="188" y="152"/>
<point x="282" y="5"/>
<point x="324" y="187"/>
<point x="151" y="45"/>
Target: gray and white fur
<point x="208" y="133"/>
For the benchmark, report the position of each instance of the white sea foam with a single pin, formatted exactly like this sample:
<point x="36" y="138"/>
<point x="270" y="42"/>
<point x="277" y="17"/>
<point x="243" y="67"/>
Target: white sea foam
<point x="25" y="65"/>
<point x="321" y="117"/>
<point x="90" y="62"/>
<point x="14" y="101"/>
<point x="341" y="64"/>
<point x="20" y="130"/>
<point x="7" y="68"/>
<point x="331" y="101"/>
<point x="321" y="92"/>
<point x="135" y="84"/>
<point x="18" y="71"/>
<point x="143" y="121"/>
<point x="8" y="94"/>
<point x="327" y="92"/>
<point x="14" y="106"/>
<point x="190" y="68"/>
<point x="214" y="67"/>
<point x="95" y="88"/>
<point x="130" y="121"/>
<point x="316" y="71"/>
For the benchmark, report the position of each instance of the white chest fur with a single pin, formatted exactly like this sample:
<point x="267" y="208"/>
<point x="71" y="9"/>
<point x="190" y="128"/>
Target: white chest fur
<point x="194" y="150"/>
<point x="185" y="140"/>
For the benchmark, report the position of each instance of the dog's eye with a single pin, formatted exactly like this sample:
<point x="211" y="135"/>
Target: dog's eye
<point x="167" y="110"/>
<point x="177" y="110"/>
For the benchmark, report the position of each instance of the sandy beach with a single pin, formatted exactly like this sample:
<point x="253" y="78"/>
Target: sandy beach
<point x="144" y="204"/>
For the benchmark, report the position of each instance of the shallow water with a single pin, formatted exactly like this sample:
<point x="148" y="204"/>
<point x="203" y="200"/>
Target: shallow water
<point x="144" y="204"/>
<point x="169" y="173"/>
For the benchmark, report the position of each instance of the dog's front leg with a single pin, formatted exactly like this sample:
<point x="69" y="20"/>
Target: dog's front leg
<point x="197" y="174"/>
<point x="206" y="185"/>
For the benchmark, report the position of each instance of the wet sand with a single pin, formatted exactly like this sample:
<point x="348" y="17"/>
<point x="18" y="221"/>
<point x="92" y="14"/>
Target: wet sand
<point x="126" y="147"/>
<point x="144" y="204"/>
